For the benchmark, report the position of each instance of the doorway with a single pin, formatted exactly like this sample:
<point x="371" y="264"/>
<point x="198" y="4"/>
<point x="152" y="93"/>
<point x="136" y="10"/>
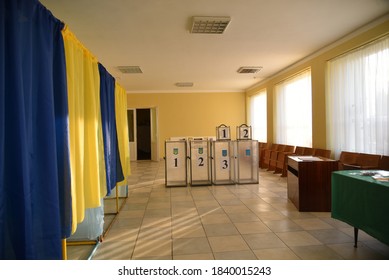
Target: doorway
<point x="143" y="132"/>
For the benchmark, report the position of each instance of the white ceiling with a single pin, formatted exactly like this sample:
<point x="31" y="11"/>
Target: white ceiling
<point x="154" y="35"/>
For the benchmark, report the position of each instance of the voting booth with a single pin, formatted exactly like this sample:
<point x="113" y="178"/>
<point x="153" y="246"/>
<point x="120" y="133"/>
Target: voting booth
<point x="223" y="162"/>
<point x="247" y="160"/>
<point x="199" y="161"/>
<point x="176" y="173"/>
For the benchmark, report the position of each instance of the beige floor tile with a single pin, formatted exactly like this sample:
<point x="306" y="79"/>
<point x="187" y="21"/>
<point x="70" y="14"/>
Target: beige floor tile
<point x="252" y="227"/>
<point x="243" y="217"/>
<point x="210" y="210"/>
<point x="235" y="255"/>
<point x="158" y="205"/>
<point x="283" y="225"/>
<point x="117" y="250"/>
<point x="189" y="246"/>
<point x="236" y="209"/>
<point x="331" y="236"/>
<point x="317" y="252"/>
<point x="228" y="243"/>
<point x="207" y="219"/>
<point x="270" y="216"/>
<point x="312" y="224"/>
<point x="157" y="222"/>
<point x="298" y="238"/>
<point x="276" y="254"/>
<point x="263" y="241"/>
<point x="261" y="207"/>
<point x="220" y="229"/>
<point x="121" y="234"/>
<point x="154" y="233"/>
<point x="207" y="203"/>
<point x="188" y="231"/>
<point x="206" y="256"/>
<point x="152" y="248"/>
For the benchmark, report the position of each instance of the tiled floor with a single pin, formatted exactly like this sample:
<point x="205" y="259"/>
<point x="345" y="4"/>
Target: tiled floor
<point x="242" y="222"/>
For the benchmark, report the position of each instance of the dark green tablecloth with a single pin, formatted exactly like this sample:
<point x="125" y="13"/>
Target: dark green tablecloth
<point x="362" y="202"/>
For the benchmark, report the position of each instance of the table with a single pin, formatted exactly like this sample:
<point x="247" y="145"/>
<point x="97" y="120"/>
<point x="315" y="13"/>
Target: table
<point x="309" y="182"/>
<point x="361" y="202"/>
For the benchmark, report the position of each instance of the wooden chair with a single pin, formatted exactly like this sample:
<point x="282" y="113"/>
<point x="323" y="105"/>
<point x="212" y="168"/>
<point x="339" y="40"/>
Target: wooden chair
<point x="299" y="151"/>
<point x="261" y="147"/>
<point x="347" y="158"/>
<point x="273" y="157"/>
<point x="322" y="153"/>
<point x="308" y="151"/>
<point x="281" y="166"/>
<point x="266" y="155"/>
<point x="364" y="161"/>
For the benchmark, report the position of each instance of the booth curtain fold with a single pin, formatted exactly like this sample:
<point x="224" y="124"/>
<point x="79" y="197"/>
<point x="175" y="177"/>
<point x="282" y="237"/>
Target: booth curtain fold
<point x="35" y="198"/>
<point x="122" y="131"/>
<point x="88" y="180"/>
<point x="111" y="153"/>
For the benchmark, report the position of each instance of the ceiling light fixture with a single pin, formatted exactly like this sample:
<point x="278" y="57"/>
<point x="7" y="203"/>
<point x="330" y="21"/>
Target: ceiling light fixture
<point x="129" y="69"/>
<point x="249" y="69"/>
<point x="209" y="25"/>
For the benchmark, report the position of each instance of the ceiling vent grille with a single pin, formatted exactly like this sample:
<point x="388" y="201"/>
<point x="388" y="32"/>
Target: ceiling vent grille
<point x="210" y="25"/>
<point x="184" y="84"/>
<point x="249" y="70"/>
<point x="130" y="69"/>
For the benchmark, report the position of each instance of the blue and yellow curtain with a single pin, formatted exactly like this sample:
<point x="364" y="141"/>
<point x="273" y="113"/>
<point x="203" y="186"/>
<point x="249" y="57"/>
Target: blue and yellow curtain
<point x="60" y="149"/>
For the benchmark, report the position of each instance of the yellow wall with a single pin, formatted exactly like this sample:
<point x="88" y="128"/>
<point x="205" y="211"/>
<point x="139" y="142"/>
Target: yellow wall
<point x="318" y="67"/>
<point x="192" y="114"/>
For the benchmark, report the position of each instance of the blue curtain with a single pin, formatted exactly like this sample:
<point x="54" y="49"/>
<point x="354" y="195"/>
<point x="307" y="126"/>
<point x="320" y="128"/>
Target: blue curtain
<point x="35" y="205"/>
<point x="113" y="166"/>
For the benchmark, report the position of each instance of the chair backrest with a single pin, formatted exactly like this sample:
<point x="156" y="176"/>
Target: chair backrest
<point x="370" y="160"/>
<point x="299" y="150"/>
<point x="308" y="151"/>
<point x="322" y="153"/>
<point x="348" y="157"/>
<point x="384" y="163"/>
<point x="289" y="149"/>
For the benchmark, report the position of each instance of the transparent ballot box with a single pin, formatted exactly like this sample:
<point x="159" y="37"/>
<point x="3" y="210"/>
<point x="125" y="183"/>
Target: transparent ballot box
<point x="223" y="163"/>
<point x="200" y="165"/>
<point x="175" y="163"/>
<point x="247" y="161"/>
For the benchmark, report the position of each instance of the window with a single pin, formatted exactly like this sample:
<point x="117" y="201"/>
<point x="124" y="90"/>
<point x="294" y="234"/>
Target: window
<point x="293" y="119"/>
<point x="358" y="100"/>
<point x="258" y="116"/>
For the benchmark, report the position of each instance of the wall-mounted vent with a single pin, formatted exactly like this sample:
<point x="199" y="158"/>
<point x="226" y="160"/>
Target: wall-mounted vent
<point x="249" y="70"/>
<point x="129" y="69"/>
<point x="184" y="84"/>
<point x="209" y="25"/>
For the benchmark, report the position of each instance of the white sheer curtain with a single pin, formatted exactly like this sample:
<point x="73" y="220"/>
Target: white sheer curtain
<point x="358" y="100"/>
<point x="293" y="119"/>
<point x="258" y="116"/>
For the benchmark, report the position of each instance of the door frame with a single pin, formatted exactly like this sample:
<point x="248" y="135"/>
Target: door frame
<point x="154" y="134"/>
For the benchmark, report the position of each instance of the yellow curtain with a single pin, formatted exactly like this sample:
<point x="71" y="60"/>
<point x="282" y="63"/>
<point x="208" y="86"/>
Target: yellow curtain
<point x="122" y="131"/>
<point x="86" y="138"/>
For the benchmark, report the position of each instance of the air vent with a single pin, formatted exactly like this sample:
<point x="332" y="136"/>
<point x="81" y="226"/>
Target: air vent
<point x="130" y="69"/>
<point x="249" y="70"/>
<point x="184" y="84"/>
<point x="210" y="25"/>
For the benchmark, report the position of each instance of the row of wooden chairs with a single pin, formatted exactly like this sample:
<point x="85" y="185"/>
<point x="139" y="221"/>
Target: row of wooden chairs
<point x="273" y="157"/>
<point x="354" y="160"/>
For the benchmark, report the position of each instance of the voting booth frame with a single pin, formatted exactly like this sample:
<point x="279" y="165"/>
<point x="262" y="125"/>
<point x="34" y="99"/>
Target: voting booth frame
<point x="204" y="161"/>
